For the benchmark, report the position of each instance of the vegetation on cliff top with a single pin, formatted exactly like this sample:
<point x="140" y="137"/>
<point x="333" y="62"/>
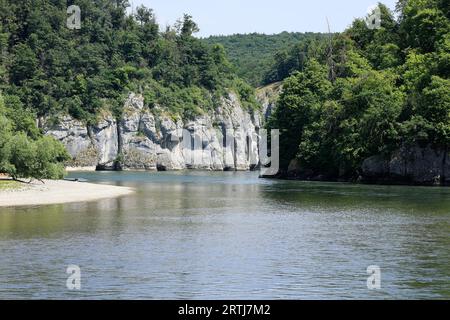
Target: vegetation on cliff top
<point x="48" y="69"/>
<point x="346" y="96"/>
<point x="52" y="68"/>
<point x="369" y="92"/>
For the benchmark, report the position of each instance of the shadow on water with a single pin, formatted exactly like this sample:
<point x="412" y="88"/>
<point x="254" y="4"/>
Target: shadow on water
<point x="230" y="235"/>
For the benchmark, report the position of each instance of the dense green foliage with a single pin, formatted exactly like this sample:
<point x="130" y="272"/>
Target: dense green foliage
<point x="253" y="54"/>
<point x="369" y="92"/>
<point x="24" y="153"/>
<point x="345" y="96"/>
<point x="47" y="69"/>
<point x="53" y="68"/>
<point x="287" y="61"/>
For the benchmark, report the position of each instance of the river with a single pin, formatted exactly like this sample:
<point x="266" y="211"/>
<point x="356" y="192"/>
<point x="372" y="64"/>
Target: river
<point x="230" y="235"/>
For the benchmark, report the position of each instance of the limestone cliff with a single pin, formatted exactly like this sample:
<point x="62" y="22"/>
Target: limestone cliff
<point x="147" y="139"/>
<point x="267" y="96"/>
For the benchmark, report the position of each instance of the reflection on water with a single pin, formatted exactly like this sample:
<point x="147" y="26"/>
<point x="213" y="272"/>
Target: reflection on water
<point x="227" y="235"/>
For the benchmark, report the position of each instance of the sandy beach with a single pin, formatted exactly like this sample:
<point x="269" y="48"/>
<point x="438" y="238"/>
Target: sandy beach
<point x="59" y="191"/>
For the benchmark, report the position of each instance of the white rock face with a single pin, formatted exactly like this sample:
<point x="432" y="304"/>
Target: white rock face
<point x="226" y="139"/>
<point x="73" y="133"/>
<point x="105" y="138"/>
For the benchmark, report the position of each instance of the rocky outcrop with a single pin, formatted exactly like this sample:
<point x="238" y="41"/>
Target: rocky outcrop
<point x="144" y="139"/>
<point x="413" y="165"/>
<point x="267" y="96"/>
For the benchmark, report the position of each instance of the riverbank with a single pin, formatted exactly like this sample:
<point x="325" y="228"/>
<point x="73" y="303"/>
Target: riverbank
<point x="58" y="192"/>
<point x="382" y="181"/>
<point x="8" y="185"/>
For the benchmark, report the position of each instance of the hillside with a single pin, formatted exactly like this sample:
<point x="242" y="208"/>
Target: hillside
<point x="252" y="55"/>
<point x="49" y="71"/>
<point x="373" y="104"/>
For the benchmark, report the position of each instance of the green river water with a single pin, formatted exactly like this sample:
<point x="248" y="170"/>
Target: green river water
<point x="227" y="235"/>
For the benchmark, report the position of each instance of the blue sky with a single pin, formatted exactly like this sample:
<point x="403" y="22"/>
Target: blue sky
<point x="264" y="16"/>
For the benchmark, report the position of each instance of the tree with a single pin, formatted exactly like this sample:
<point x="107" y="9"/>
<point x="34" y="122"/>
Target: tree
<point x="423" y="24"/>
<point x="50" y="156"/>
<point x="24" y="65"/>
<point x="371" y="106"/>
<point x="391" y="91"/>
<point x="252" y="55"/>
<point x="186" y="27"/>
<point x="22" y="157"/>
<point x="40" y="159"/>
<point x="5" y="137"/>
<point x="24" y="152"/>
<point x="144" y="15"/>
<point x="303" y="93"/>
<point x="434" y="108"/>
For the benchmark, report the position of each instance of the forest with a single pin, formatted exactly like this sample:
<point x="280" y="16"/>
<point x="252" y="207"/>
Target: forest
<point x="255" y="56"/>
<point x="346" y="96"/>
<point x="47" y="69"/>
<point x="368" y="91"/>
